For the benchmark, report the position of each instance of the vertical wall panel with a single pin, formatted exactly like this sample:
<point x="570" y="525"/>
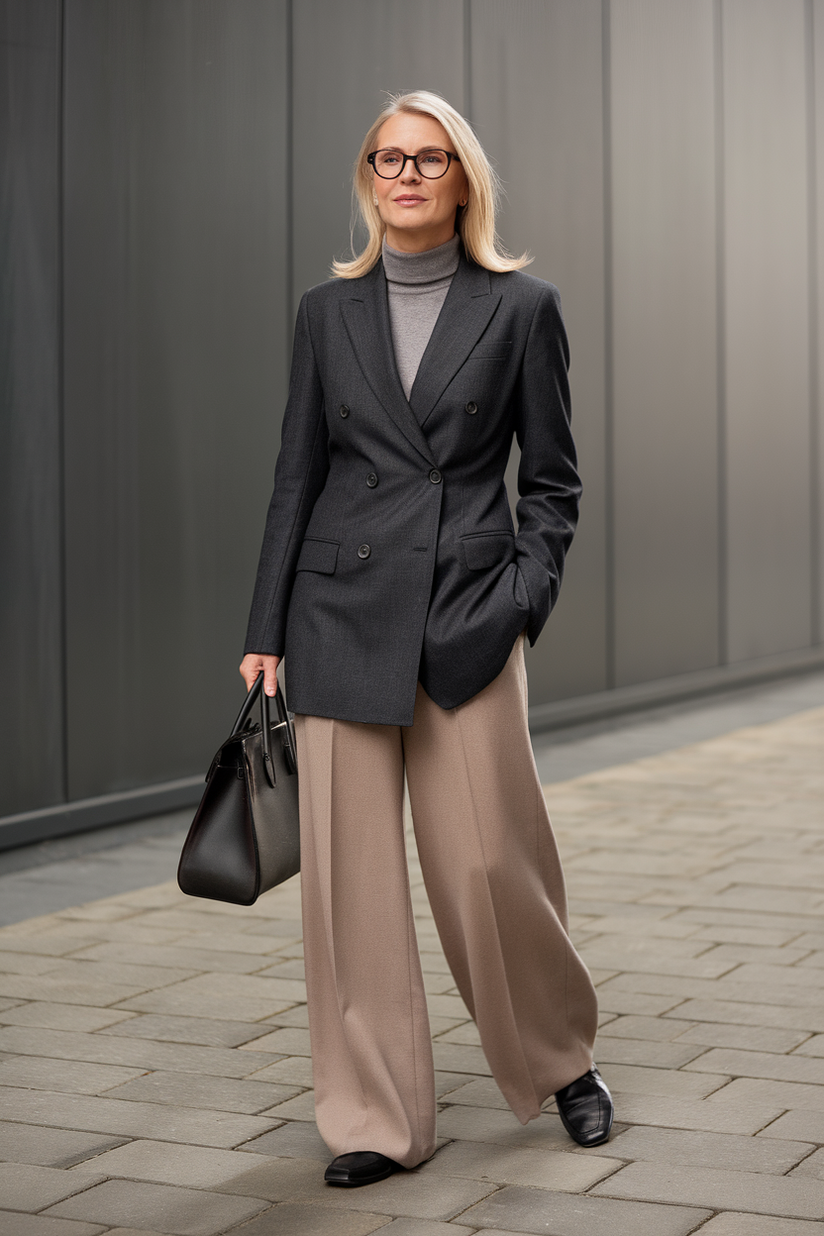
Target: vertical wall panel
<point x="346" y="56"/>
<point x="175" y="356"/>
<point x="537" y="105"/>
<point x="31" y="716"/>
<point x="768" y="498"/>
<point x="664" y="333"/>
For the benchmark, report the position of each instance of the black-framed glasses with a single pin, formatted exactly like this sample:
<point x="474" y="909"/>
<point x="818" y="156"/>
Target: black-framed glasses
<point x="431" y="164"/>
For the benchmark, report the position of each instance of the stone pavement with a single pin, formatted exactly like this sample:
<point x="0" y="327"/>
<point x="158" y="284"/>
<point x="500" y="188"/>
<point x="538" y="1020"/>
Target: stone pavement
<point x="154" y="1057"/>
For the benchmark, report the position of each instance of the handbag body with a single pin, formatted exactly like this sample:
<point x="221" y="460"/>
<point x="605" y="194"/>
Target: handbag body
<point x="245" y="837"/>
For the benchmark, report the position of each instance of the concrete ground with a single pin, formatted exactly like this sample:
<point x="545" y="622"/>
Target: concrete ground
<point x="154" y="1057"/>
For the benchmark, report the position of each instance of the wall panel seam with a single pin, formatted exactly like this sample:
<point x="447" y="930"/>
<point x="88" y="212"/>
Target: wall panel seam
<point x="61" y="403"/>
<point x="721" y="335"/>
<point x="609" y="400"/>
<point x="813" y="291"/>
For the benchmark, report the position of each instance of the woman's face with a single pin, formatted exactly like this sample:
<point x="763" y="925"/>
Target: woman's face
<point x="419" y="214"/>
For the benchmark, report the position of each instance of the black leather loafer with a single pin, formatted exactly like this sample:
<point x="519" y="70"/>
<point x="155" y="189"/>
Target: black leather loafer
<point x="585" y="1107"/>
<point x="362" y="1167"/>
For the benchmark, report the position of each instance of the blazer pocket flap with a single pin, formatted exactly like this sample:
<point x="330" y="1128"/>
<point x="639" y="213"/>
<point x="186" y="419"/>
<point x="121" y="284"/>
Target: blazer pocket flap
<point x="319" y="556"/>
<point x="488" y="549"/>
<point x="491" y="349"/>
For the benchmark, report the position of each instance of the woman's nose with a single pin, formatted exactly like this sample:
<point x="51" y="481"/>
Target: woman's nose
<point x="410" y="171"/>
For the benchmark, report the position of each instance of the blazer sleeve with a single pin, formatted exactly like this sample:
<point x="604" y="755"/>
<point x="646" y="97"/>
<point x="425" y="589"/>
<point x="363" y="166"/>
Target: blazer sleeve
<point x="300" y="474"/>
<point x="548" y="481"/>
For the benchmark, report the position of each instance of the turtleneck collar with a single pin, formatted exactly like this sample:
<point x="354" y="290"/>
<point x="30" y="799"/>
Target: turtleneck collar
<point x="431" y="266"/>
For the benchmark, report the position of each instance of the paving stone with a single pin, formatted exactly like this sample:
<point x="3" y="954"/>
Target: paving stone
<point x="174" y="956"/>
<point x="753" y="1014"/>
<point x="812" y="1166"/>
<point x="749" y="1091"/>
<point x="193" y="1167"/>
<point x="645" y="1052"/>
<point x="425" y="1227"/>
<point x="731" y="1224"/>
<point x="282" y="1042"/>
<point x="300" y="1108"/>
<point x="467" y="1034"/>
<point x="571" y="1173"/>
<point x="518" y="1209"/>
<point x="297" y="1016"/>
<point x="163" y="1208"/>
<point x="501" y="1127"/>
<point x="43" y="1225"/>
<point x="812" y="1046"/>
<point x="67" y="1076"/>
<point x="757" y="1064"/>
<point x="453" y="1058"/>
<point x="307" y="1220"/>
<point x="628" y="1079"/>
<point x="649" y="1029"/>
<point x="24" y="963"/>
<point x="63" y="1016"/>
<point x="615" y="1001"/>
<point x="142" y="1053"/>
<point x="131" y="1119"/>
<point x="201" y="1031"/>
<point x="295" y="1139"/>
<point x="29" y="1188"/>
<point x="746" y="1118"/>
<point x="693" y="1149"/>
<point x="297" y="1071"/>
<point x="233" y="997"/>
<point x="66" y="991"/>
<point x="720" y="1190"/>
<point x="749" y="1038"/>
<point x="802" y="1126"/>
<point x="28" y="1143"/>
<point x="481" y="1092"/>
<point x="194" y="1090"/>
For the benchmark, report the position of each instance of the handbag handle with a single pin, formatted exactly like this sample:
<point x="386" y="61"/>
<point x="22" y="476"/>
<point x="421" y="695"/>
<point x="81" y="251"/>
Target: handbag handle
<point x="283" y="716"/>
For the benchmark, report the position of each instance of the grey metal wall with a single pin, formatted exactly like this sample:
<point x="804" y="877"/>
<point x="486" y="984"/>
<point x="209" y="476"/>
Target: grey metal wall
<point x="176" y="173"/>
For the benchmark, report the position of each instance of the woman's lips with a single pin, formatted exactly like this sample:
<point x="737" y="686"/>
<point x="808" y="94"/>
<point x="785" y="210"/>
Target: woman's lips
<point x="409" y="199"/>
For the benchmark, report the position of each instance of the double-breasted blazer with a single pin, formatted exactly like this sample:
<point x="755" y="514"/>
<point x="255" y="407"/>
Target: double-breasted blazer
<point x="389" y="554"/>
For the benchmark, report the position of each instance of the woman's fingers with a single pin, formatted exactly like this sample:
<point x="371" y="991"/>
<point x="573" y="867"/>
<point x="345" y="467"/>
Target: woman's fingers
<point x="270" y="675"/>
<point x="255" y="663"/>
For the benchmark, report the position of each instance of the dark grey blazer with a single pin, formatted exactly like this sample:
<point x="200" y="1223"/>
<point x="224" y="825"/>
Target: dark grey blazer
<point x="389" y="553"/>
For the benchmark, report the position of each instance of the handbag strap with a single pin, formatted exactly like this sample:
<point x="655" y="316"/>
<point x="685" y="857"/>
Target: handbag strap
<point x="265" y="725"/>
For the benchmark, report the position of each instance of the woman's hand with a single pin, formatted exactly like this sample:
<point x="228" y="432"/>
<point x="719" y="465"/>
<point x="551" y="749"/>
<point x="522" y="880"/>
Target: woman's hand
<point x="251" y="666"/>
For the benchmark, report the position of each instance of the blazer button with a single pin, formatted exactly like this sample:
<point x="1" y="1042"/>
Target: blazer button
<point x="471" y="408"/>
<point x="435" y="477"/>
<point x="344" y="411"/>
<point x="371" y="480"/>
<point x="364" y="551"/>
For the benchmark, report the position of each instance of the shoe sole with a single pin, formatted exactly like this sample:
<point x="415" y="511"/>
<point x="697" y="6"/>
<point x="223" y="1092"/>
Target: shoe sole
<point x="363" y="1180"/>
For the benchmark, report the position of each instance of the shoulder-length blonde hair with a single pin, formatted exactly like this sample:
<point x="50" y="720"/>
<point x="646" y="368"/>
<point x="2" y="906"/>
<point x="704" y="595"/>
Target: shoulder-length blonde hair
<point x="475" y="222"/>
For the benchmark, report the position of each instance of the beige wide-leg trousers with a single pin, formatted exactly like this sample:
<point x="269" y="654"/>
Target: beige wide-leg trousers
<point x="494" y="880"/>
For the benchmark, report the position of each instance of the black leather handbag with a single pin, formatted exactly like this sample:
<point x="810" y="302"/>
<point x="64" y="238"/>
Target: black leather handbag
<point x="245" y="837"/>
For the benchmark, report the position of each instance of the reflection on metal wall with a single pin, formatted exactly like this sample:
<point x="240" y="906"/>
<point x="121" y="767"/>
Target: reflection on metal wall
<point x="178" y="174"/>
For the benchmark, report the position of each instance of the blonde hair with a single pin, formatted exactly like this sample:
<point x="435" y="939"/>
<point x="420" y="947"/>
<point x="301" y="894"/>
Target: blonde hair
<point x="475" y="222"/>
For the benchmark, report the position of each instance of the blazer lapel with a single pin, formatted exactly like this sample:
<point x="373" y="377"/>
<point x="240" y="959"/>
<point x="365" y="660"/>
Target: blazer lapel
<point x="366" y="317"/>
<point x="466" y="313"/>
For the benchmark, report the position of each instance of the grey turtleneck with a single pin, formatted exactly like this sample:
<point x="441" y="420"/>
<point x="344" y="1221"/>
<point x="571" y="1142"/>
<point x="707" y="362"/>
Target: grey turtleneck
<point x="417" y="284"/>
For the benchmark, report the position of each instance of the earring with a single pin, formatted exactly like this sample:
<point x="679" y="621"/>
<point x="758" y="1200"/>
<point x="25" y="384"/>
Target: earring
<point x="375" y="198"/>
<point x="463" y="203"/>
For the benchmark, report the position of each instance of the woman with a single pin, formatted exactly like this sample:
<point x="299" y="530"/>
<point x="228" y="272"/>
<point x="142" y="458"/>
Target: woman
<point x="393" y="583"/>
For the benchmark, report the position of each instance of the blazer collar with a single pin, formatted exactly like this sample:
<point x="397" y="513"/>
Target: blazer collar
<point x="466" y="313"/>
<point x="467" y="310"/>
<point x="366" y="317"/>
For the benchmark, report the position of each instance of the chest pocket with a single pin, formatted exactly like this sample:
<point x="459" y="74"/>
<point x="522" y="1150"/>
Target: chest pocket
<point x="321" y="556"/>
<point x="483" y="550"/>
